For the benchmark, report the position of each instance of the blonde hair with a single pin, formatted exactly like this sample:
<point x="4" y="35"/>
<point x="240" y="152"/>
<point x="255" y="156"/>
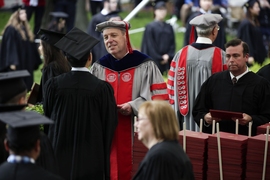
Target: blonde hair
<point x="15" y="22"/>
<point x="163" y="119"/>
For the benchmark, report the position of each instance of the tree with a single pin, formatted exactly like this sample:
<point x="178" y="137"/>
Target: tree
<point x="81" y="20"/>
<point x="49" y="6"/>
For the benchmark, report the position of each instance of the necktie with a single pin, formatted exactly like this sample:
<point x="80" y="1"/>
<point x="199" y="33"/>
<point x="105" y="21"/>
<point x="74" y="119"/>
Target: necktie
<point x="234" y="80"/>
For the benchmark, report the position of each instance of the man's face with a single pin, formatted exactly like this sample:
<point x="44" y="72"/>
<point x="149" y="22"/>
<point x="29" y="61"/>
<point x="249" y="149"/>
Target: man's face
<point x="113" y="5"/>
<point x="115" y="42"/>
<point x="160" y="13"/>
<point x="236" y="60"/>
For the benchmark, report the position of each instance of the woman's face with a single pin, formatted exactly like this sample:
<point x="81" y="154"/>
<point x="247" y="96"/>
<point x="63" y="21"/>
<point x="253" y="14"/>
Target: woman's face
<point x="40" y="48"/>
<point x="255" y="10"/>
<point x="144" y="126"/>
<point x="22" y="15"/>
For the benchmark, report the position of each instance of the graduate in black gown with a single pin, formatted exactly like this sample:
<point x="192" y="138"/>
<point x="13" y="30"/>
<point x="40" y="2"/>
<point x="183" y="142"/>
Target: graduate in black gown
<point x="265" y="22"/>
<point x="13" y="98"/>
<point x="23" y="143"/>
<point x="55" y="62"/>
<point x="18" y="50"/>
<point x="158" y="39"/>
<point x="158" y="129"/>
<point x="58" y="22"/>
<point x="250" y="95"/>
<point x="9" y="95"/>
<point x="6" y="108"/>
<point x="205" y="7"/>
<point x="249" y="31"/>
<point x="84" y="110"/>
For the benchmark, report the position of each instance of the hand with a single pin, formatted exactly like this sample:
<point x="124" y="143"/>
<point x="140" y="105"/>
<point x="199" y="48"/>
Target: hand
<point x="209" y="119"/>
<point x="125" y="109"/>
<point x="245" y="120"/>
<point x="12" y="67"/>
<point x="165" y="58"/>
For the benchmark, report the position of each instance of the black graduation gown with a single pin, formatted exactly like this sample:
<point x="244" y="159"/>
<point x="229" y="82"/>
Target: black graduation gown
<point x="23" y="171"/>
<point x="50" y="71"/>
<point x="85" y="115"/>
<point x="158" y="39"/>
<point x="3" y="152"/>
<point x="249" y="95"/>
<point x="265" y="72"/>
<point x="253" y="37"/>
<point x="165" y="160"/>
<point x="16" y="51"/>
<point x="220" y="41"/>
<point x="46" y="158"/>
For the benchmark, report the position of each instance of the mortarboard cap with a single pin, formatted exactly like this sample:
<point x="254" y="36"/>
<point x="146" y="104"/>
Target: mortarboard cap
<point x="206" y="20"/>
<point x="250" y="3"/>
<point x="76" y="43"/>
<point x="23" y="127"/>
<point x="123" y="25"/>
<point x="50" y="37"/>
<point x="19" y="119"/>
<point x="12" y="84"/>
<point x="59" y="14"/>
<point x="14" y="107"/>
<point x="160" y="5"/>
<point x="17" y="7"/>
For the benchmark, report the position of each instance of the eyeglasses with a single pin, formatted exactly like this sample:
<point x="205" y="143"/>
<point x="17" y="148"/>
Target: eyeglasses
<point x="218" y="28"/>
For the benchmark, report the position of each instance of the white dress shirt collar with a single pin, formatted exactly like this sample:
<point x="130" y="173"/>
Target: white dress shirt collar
<point x="104" y="12"/>
<point x="80" y="69"/>
<point x="239" y="76"/>
<point x="204" y="40"/>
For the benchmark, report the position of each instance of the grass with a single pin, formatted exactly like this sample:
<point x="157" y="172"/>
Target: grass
<point x="143" y="17"/>
<point x="4" y="16"/>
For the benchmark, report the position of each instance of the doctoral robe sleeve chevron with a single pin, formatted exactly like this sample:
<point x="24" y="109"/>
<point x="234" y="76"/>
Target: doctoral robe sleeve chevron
<point x="171" y="83"/>
<point x="149" y="86"/>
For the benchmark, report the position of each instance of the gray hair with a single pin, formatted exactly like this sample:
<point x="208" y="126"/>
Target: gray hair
<point x="205" y="32"/>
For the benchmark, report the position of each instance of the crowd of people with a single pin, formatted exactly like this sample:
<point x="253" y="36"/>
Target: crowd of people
<point x="97" y="91"/>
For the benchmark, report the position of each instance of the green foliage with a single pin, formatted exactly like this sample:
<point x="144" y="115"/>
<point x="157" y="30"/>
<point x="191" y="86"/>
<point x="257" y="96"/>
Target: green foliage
<point x="37" y="108"/>
<point x="4" y="16"/>
<point x="256" y="66"/>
